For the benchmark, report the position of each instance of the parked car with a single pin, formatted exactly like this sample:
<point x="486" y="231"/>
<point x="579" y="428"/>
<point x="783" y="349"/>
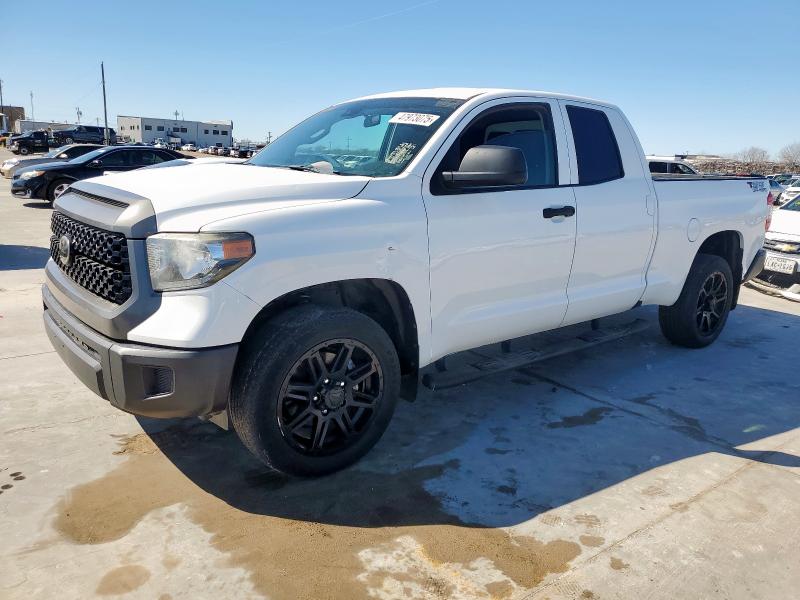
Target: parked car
<point x="790" y="191"/>
<point x="777" y="190"/>
<point x="781" y="273"/>
<point x="670" y="165"/>
<point x="84" y="133"/>
<point x="784" y="178"/>
<point x="297" y="296"/>
<point x="64" y="153"/>
<point x="30" y="142"/>
<point x="48" y="181"/>
<point x="189" y="147"/>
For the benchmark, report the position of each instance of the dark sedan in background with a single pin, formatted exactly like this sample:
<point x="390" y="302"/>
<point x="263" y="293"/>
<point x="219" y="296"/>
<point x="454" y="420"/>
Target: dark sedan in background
<point x="48" y="181"/>
<point x="10" y="166"/>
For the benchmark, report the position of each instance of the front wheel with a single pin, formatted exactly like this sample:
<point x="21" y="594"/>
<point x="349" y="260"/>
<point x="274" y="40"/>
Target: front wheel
<point x="69" y="140"/>
<point x="58" y="187"/>
<point x="315" y="389"/>
<point x="24" y="151"/>
<point x="702" y="309"/>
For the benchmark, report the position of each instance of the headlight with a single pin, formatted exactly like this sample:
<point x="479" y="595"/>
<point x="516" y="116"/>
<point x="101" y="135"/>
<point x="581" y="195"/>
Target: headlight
<point x="31" y="174"/>
<point x="185" y="261"/>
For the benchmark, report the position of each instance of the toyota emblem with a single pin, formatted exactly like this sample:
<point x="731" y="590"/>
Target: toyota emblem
<point x="65" y="249"/>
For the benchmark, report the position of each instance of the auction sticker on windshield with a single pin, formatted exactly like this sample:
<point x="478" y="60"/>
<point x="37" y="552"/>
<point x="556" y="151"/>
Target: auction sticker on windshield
<point x="407" y="118"/>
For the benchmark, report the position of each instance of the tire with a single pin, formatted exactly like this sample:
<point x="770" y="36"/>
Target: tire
<point x="698" y="317"/>
<point x="24" y="151"/>
<point x="68" y="140"/>
<point x="282" y="398"/>
<point x="56" y="189"/>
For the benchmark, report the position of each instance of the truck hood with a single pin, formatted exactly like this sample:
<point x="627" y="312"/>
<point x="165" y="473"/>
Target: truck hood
<point x="785" y="225"/>
<point x="187" y="197"/>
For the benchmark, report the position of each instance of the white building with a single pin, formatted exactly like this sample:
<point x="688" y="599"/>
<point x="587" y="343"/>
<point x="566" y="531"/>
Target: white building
<point x="202" y="133"/>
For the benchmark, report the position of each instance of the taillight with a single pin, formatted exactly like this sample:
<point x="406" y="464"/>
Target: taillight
<point x="770" y="202"/>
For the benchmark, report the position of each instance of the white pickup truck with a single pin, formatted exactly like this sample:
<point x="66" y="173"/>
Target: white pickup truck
<point x="299" y="295"/>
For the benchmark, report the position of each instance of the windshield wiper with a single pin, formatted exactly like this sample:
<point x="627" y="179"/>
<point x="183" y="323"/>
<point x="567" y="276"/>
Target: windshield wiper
<point x="310" y="169"/>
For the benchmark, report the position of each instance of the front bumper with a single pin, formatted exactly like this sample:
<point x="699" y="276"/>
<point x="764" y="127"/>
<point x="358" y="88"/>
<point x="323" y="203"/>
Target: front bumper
<point x="28" y="188"/>
<point x="145" y="380"/>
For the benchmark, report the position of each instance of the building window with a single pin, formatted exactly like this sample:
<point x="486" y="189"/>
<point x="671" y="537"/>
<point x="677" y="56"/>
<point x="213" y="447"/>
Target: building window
<point x="216" y="132"/>
<point x="160" y="128"/>
<point x="205" y="131"/>
<point x="148" y="127"/>
<point x="223" y="132"/>
<point x="122" y="127"/>
<point x="183" y="129"/>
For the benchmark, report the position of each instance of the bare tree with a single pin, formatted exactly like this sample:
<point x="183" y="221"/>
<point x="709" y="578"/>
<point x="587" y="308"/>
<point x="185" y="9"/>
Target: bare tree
<point x="753" y="154"/>
<point x="790" y="154"/>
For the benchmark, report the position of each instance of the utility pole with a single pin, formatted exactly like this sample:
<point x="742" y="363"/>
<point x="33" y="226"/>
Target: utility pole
<point x="1" y="99"/>
<point x="106" y="137"/>
<point x="176" y="113"/>
<point x="79" y="113"/>
<point x="32" y="117"/>
<point x="269" y="137"/>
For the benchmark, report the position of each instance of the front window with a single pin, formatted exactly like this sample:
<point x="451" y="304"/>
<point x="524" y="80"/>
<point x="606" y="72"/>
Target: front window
<point x="373" y="138"/>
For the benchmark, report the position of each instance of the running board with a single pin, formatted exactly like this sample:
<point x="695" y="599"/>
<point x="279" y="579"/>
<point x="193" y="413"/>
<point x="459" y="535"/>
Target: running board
<point x="471" y="371"/>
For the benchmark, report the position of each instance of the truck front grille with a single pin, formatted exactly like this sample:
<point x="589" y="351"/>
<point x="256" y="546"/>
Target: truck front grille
<point x="97" y="260"/>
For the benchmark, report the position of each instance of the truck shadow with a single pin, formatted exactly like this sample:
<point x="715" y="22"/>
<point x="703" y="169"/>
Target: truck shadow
<point x="501" y="450"/>
<point x="15" y="258"/>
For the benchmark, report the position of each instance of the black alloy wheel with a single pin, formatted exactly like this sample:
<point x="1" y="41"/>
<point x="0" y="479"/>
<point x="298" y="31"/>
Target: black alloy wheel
<point x="711" y="303"/>
<point x="330" y="396"/>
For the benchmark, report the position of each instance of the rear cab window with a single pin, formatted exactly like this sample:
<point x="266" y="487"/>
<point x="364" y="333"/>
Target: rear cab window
<point x="596" y="148"/>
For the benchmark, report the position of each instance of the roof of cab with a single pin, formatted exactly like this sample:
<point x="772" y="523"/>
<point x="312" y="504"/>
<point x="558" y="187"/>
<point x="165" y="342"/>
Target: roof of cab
<point x="463" y="93"/>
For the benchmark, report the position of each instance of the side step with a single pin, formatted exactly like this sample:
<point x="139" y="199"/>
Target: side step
<point x="443" y="379"/>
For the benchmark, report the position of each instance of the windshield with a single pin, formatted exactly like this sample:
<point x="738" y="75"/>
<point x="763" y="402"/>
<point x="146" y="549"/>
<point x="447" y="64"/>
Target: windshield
<point x="793" y="205"/>
<point x="374" y="138"/>
<point x="79" y="160"/>
<point x="56" y="152"/>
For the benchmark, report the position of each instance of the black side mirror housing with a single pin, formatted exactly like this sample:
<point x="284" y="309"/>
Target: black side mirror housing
<point x="489" y="166"/>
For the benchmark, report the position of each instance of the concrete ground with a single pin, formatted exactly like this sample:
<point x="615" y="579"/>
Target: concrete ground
<point x="629" y="470"/>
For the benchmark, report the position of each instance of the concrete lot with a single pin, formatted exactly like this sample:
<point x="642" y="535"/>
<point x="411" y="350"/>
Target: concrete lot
<point x="631" y="470"/>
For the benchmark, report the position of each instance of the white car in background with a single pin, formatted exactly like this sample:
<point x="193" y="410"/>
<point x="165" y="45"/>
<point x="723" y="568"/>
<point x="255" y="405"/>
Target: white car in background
<point x="189" y="147"/>
<point x="791" y="190"/>
<point x="669" y="165"/>
<point x="781" y="273"/>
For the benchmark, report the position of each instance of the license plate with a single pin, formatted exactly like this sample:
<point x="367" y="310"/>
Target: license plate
<point x="780" y="265"/>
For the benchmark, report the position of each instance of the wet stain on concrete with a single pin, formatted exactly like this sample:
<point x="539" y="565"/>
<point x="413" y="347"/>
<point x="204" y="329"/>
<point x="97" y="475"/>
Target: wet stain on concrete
<point x="296" y="538"/>
<point x="590" y="417"/>
<point x="618" y="564"/>
<point x="122" y="580"/>
<point x="499" y="589"/>
<point x="592" y="541"/>
<point x="588" y="520"/>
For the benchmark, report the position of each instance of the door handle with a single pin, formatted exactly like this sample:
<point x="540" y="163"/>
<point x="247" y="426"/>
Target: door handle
<point x="563" y="211"/>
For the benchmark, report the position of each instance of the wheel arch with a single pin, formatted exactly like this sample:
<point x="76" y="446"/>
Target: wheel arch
<point x="383" y="300"/>
<point x="728" y="245"/>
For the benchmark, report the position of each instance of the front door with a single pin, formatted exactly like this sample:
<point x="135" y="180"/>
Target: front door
<point x="499" y="261"/>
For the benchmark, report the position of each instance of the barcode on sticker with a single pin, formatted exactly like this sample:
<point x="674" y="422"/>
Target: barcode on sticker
<point x="407" y="118"/>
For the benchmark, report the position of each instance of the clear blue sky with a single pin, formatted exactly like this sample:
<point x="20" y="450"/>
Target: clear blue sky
<point x="713" y="76"/>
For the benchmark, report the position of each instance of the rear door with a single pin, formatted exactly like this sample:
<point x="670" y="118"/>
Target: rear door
<point x="615" y="213"/>
<point x="498" y="266"/>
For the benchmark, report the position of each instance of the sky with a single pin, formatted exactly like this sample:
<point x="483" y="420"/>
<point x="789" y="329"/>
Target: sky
<point x="708" y="76"/>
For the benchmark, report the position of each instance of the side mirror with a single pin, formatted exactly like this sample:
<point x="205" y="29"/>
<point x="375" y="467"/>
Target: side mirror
<point x="489" y="166"/>
<point x="96" y="163"/>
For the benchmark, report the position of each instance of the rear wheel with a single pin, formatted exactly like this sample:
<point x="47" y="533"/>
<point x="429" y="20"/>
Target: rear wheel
<point x="702" y="309"/>
<point x="315" y="389"/>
